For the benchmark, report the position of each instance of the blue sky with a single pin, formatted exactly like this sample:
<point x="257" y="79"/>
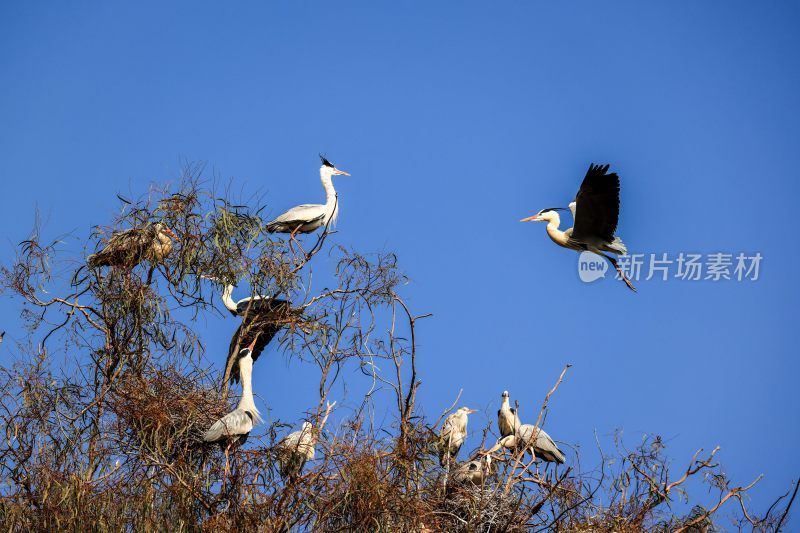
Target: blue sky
<point x="456" y="120"/>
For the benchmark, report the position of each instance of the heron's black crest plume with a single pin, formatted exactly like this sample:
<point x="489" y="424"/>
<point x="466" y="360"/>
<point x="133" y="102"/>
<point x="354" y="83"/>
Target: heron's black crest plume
<point x="325" y="161"/>
<point x="553" y="209"/>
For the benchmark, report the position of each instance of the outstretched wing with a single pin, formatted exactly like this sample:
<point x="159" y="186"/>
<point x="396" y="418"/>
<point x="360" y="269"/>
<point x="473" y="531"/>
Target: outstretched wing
<point x="265" y="318"/>
<point x="597" y="210"/>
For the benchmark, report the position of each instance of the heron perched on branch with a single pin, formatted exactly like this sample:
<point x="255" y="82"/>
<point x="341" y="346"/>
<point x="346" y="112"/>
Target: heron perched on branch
<point x="151" y="242"/>
<point x="534" y="440"/>
<point x="452" y="435"/>
<point x="507" y="418"/>
<point x="306" y="218"/>
<point x="233" y="428"/>
<point x="596" y="213"/>
<point x="262" y="318"/>
<point x="295" y="449"/>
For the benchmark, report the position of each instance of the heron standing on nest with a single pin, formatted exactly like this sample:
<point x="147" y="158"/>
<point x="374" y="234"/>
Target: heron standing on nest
<point x="126" y="249"/>
<point x="452" y="435"/>
<point x="507" y="418"/>
<point x="295" y="449"/>
<point x="232" y="429"/>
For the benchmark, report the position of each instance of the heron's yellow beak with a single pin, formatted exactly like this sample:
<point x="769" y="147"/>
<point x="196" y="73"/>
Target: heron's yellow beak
<point x="472" y="410"/>
<point x="253" y="344"/>
<point x="530" y="219"/>
<point x="338" y="172"/>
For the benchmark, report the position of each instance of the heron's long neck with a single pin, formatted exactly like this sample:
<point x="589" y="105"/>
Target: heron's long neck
<point x="327" y="184"/>
<point x="246" y="402"/>
<point x="557" y="236"/>
<point x="464" y="421"/>
<point x="227" y="300"/>
<point x="331" y="202"/>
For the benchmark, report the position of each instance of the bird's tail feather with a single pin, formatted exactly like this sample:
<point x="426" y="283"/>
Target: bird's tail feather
<point x="559" y="456"/>
<point x="618" y="247"/>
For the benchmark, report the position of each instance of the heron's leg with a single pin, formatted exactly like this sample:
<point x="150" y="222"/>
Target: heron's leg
<point x="150" y="275"/>
<point x="293" y="239"/>
<point x="227" y="464"/>
<point x="619" y="271"/>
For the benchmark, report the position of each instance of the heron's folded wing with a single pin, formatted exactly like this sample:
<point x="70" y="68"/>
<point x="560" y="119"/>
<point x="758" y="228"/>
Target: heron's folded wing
<point x="597" y="210"/>
<point x="546" y="444"/>
<point x="290" y="440"/>
<point x="237" y="422"/>
<point x="301" y="214"/>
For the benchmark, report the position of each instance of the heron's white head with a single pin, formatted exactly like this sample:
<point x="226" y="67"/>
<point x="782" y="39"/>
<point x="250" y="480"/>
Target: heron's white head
<point x="328" y="169"/>
<point x="549" y="215"/>
<point x="505" y="394"/>
<point x="162" y="228"/>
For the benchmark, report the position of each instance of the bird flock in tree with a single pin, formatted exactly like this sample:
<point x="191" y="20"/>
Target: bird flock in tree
<point x="595" y="212"/>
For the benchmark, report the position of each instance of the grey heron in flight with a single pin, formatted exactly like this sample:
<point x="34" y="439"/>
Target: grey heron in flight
<point x="262" y="318"/>
<point x="295" y="449"/>
<point x="306" y="218"/>
<point x="534" y="440"/>
<point x="507" y="418"/>
<point x="452" y="435"/>
<point x="233" y="428"/>
<point x="596" y="213"/>
<point x="126" y="249"/>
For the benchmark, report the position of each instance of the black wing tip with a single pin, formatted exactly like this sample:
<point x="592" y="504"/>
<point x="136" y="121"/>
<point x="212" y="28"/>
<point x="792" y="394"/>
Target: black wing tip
<point x="599" y="169"/>
<point x="598" y="174"/>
